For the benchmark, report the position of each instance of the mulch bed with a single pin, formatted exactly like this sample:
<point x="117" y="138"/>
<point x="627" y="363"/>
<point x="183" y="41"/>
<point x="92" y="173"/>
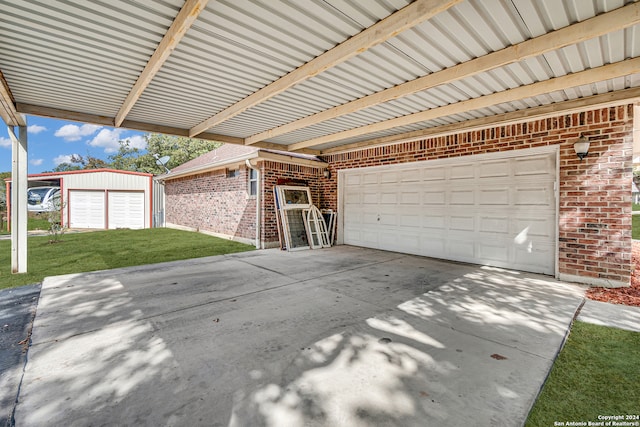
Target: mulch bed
<point x="626" y="296"/>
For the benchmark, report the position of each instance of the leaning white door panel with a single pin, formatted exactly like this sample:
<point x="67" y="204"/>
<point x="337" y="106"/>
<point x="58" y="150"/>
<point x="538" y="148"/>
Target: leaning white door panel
<point x="491" y="209"/>
<point x="86" y="209"/>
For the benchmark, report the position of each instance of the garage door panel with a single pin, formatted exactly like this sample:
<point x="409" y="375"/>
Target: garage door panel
<point x="370" y="239"/>
<point x="461" y="250"/>
<point x="370" y="178"/>
<point x="410" y="221"/>
<point x="434" y="221"/>
<point x="389" y="177"/>
<point x="535" y="257"/>
<point x="370" y="198"/>
<point x="411" y="175"/>
<point x="462" y="172"/>
<point x="435" y="197"/>
<point x="494" y="196"/>
<point x="494" y="169"/>
<point x="535" y="227"/>
<point x="125" y="209"/>
<point x="399" y="241"/>
<point x="87" y="209"/>
<point x="434" y="174"/>
<point x="491" y="253"/>
<point x="369" y="218"/>
<point x="533" y="195"/>
<point x="462" y="223"/>
<point x="388" y="198"/>
<point x="386" y="219"/>
<point x="433" y="247"/>
<point x="498" y="211"/>
<point x="410" y="198"/>
<point x="494" y="224"/>
<point x="534" y="165"/>
<point x="462" y="197"/>
<point x="352" y="180"/>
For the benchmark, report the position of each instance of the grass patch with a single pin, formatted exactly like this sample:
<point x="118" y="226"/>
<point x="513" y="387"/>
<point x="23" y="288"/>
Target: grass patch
<point x="635" y="227"/>
<point x="595" y="374"/>
<point x="34" y="222"/>
<point x="100" y="250"/>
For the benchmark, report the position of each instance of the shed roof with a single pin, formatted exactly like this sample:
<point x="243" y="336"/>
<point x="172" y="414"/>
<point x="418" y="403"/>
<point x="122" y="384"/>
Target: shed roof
<point x="315" y="77"/>
<point x="230" y="154"/>
<point x="51" y="175"/>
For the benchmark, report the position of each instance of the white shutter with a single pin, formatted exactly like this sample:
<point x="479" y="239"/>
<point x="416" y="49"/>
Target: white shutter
<point x="86" y="209"/>
<point x="126" y="209"/>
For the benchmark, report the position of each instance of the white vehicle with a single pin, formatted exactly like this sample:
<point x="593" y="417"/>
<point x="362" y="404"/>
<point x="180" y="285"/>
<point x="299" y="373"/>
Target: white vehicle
<point x="43" y="199"/>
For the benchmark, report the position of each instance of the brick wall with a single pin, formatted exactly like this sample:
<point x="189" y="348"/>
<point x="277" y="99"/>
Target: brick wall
<point x="271" y="172"/>
<point x="212" y="202"/>
<point x="595" y="194"/>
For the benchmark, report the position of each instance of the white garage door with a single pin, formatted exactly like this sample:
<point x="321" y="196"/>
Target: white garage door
<point x="126" y="209"/>
<point x="487" y="209"/>
<point x="86" y="209"/>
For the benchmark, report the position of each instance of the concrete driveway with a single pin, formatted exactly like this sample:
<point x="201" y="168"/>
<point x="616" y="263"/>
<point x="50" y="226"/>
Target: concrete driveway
<point x="338" y="337"/>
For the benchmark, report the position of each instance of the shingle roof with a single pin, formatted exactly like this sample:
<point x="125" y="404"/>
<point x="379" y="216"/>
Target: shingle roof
<point x="224" y="152"/>
<point x="230" y="153"/>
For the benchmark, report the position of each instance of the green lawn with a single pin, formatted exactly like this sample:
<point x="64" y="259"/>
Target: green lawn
<point x="595" y="374"/>
<point x="635" y="227"/>
<point x="100" y="250"/>
<point x="35" y="222"/>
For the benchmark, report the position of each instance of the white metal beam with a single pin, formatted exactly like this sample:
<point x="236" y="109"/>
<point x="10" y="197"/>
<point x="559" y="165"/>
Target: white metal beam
<point x="615" y="20"/>
<point x="185" y="18"/>
<point x="19" y="199"/>
<point x="603" y="100"/>
<point x="590" y="76"/>
<point x="405" y="18"/>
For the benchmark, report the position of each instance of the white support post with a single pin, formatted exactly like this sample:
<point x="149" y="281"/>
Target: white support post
<point x="19" y="200"/>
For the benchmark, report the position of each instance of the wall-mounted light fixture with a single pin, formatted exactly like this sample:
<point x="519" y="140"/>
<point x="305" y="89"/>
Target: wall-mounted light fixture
<point x="581" y="147"/>
<point x="327" y="173"/>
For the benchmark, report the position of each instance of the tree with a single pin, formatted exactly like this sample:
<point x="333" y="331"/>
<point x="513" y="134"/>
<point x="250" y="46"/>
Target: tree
<point x="127" y="158"/>
<point x="78" y="162"/>
<point x="179" y="150"/>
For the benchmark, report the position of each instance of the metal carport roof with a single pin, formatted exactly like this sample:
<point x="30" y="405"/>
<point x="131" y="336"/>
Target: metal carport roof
<point x="314" y="76"/>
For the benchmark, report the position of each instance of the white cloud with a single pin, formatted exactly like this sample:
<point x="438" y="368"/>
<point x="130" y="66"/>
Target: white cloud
<point x="36" y="162"/>
<point x="110" y="140"/>
<point x="107" y="139"/>
<point x="63" y="158"/>
<point x="138" y="141"/>
<point x="36" y="129"/>
<point x="75" y="133"/>
<point x="5" y="142"/>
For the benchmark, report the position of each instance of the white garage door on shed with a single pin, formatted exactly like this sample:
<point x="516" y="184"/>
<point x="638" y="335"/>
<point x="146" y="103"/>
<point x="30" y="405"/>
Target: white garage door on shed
<point x="492" y="209"/>
<point x="126" y="209"/>
<point x="86" y="209"/>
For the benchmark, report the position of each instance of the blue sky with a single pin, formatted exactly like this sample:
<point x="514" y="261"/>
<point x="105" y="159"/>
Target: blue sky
<point x="51" y="142"/>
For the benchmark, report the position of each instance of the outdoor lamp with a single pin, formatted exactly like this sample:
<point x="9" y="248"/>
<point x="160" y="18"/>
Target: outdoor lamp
<point x="327" y="173"/>
<point x="581" y="147"/>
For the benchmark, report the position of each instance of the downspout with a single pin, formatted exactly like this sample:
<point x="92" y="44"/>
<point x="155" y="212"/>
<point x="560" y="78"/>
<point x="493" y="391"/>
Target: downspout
<point x="258" y="199"/>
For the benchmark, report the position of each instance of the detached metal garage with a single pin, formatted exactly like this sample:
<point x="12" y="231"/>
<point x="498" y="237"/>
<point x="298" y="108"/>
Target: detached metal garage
<point x="495" y="209"/>
<point x="104" y="198"/>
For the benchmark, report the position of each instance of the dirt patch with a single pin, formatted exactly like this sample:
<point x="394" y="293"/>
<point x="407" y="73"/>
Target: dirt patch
<point x="626" y="296"/>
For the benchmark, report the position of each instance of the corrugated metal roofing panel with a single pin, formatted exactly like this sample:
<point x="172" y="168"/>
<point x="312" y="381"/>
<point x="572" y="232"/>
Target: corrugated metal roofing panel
<point x="256" y="42"/>
<point x="470" y="19"/>
<point x="84" y="57"/>
<point x="76" y="55"/>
